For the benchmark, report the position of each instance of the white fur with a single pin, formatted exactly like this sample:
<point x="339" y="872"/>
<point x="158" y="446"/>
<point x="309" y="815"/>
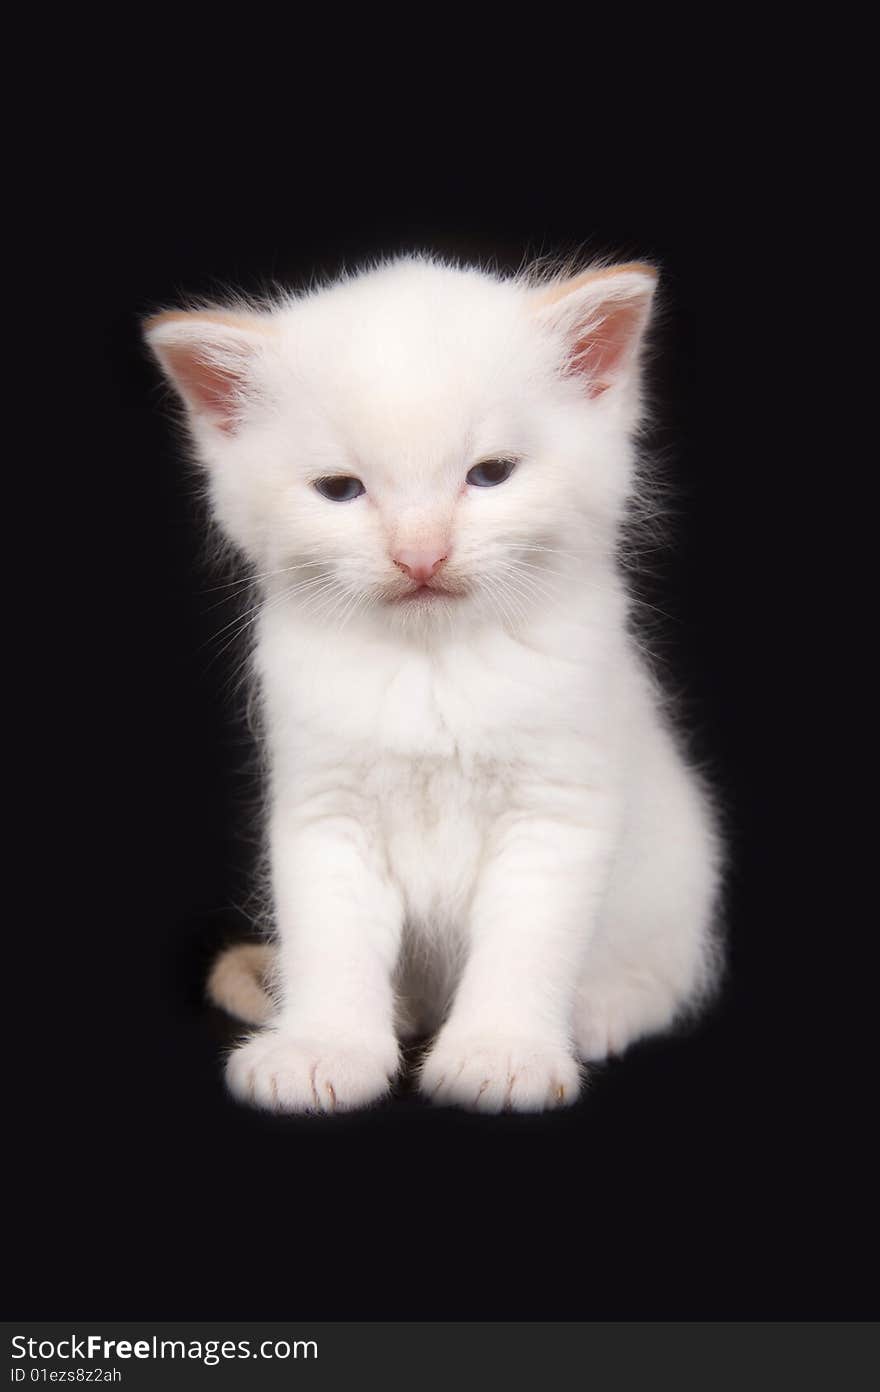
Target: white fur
<point x="480" y="819"/>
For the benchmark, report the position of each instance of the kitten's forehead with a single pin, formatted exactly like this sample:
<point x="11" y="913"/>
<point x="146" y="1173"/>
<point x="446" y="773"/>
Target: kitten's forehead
<point x="414" y="357"/>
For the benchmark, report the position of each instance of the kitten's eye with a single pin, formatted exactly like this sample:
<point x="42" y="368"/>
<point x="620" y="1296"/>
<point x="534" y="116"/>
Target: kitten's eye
<point x="491" y="472"/>
<point x="340" y="490"/>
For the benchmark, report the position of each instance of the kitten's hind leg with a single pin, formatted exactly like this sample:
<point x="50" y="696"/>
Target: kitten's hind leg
<point x="655" y="957"/>
<point x="613" y="1012"/>
<point x="643" y="980"/>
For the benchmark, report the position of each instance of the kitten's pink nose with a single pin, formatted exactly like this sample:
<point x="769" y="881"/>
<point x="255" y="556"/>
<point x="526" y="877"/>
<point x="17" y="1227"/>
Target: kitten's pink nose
<point x="421" y="562"/>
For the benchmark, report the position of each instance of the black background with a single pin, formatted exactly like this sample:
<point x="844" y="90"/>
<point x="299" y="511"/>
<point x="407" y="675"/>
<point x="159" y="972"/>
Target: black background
<point x="719" y="1174"/>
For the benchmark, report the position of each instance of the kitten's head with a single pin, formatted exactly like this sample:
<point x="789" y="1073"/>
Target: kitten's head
<point x="418" y="443"/>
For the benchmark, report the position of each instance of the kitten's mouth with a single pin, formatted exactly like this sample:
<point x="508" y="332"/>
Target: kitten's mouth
<point x="426" y="593"/>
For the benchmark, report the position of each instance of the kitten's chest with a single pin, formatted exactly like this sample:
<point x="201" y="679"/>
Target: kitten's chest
<point x="416" y="751"/>
<point x="463" y="708"/>
<point x="437" y="781"/>
<point x="423" y="714"/>
<point x="433" y="817"/>
<point x="426" y="754"/>
<point x="363" y="705"/>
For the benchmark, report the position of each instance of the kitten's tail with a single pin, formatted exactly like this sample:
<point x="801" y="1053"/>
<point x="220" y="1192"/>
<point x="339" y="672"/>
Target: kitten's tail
<point x="239" y="982"/>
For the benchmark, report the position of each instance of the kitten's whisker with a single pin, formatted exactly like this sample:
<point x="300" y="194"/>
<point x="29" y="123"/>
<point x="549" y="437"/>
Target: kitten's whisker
<point x="366" y="602"/>
<point x="530" y="585"/>
<point x="513" y="595"/>
<point x="261" y="608"/>
<point x="519" y="598"/>
<point x="261" y="603"/>
<point x="327" y="600"/>
<point x="537" y="569"/>
<point x="259" y="575"/>
<point x="496" y="591"/>
<point x="231" y="624"/>
<point x="509" y="615"/>
<point x="354" y="599"/>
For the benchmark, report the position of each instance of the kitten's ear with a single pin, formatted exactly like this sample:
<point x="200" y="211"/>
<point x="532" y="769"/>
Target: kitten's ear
<point x="211" y="359"/>
<point x="603" y="315"/>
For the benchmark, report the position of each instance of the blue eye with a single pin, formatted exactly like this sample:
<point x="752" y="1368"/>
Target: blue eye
<point x="340" y="490"/>
<point x="491" y="472"/>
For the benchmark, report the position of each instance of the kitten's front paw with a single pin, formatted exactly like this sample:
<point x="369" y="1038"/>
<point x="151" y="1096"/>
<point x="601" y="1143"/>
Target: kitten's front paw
<point x="285" y="1073"/>
<point x="498" y="1075"/>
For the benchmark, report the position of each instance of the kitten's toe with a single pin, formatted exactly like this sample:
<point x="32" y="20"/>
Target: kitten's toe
<point x="283" y="1073"/>
<point x="490" y="1075"/>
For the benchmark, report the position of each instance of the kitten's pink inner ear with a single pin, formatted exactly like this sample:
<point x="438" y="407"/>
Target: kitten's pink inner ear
<point x="601" y="352"/>
<point x="604" y="314"/>
<point x="209" y="387"/>
<point x="209" y="357"/>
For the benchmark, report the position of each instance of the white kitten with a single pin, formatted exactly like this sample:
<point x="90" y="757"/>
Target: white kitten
<point x="481" y="825"/>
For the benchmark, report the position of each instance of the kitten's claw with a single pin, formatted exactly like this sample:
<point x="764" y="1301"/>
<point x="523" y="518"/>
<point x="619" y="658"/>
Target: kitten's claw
<point x="491" y="1075"/>
<point x="283" y="1073"/>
